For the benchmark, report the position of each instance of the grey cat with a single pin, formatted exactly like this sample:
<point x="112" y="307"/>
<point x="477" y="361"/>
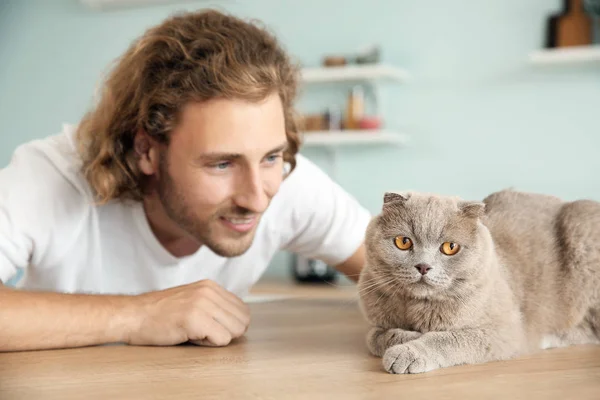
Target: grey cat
<point x="451" y="282"/>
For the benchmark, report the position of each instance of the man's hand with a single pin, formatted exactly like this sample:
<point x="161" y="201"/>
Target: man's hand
<point x="203" y="313"/>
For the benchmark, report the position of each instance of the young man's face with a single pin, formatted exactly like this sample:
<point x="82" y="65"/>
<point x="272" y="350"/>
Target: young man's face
<point x="222" y="167"/>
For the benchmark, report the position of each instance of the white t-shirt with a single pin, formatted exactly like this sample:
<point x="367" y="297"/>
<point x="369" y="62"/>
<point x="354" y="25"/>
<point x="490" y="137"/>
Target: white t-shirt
<point x="50" y="228"/>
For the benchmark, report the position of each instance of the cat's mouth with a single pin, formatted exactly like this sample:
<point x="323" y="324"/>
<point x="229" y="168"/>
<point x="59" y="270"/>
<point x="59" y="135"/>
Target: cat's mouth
<point x="424" y="280"/>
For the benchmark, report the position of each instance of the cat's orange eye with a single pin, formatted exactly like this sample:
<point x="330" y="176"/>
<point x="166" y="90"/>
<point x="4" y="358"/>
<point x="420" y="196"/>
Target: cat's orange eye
<point x="449" y="248"/>
<point x="403" y="243"/>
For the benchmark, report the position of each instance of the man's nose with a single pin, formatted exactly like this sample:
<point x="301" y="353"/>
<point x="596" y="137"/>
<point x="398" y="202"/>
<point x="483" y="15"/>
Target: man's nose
<point x="251" y="193"/>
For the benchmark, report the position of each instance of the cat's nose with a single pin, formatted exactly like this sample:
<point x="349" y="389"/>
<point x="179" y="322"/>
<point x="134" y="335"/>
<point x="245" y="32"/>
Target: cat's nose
<point x="423" y="268"/>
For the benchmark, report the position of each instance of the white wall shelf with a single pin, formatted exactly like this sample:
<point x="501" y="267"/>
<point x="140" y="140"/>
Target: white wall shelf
<point x="365" y="74"/>
<point x="576" y="55"/>
<point x="362" y="72"/>
<point x="358" y="137"/>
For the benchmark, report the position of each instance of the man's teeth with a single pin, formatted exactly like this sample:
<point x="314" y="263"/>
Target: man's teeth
<point x="238" y="221"/>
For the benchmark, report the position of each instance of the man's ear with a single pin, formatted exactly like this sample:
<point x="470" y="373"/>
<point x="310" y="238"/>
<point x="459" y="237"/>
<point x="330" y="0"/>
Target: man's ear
<point x="146" y="152"/>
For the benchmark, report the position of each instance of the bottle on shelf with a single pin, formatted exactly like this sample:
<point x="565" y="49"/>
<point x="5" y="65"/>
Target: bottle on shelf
<point x="572" y="26"/>
<point x="355" y="108"/>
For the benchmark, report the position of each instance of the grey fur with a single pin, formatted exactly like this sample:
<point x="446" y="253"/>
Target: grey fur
<point x="526" y="277"/>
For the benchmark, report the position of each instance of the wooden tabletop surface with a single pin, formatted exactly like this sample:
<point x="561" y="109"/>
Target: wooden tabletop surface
<point x="308" y="346"/>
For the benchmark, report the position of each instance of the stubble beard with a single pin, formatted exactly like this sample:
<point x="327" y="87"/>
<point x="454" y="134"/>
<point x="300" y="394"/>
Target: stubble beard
<point x="173" y="201"/>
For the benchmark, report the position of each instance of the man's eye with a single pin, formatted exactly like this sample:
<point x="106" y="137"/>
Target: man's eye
<point x="272" y="158"/>
<point x="222" y="165"/>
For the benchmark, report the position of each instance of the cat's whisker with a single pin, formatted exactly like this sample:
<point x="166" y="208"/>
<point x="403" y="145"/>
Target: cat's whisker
<point x="379" y="284"/>
<point x="375" y="281"/>
<point x="372" y="290"/>
<point x="367" y="288"/>
<point x="368" y="281"/>
<point x="370" y="285"/>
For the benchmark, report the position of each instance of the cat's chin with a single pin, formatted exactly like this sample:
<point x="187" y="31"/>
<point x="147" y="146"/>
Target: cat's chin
<point x="425" y="288"/>
<point x="420" y="290"/>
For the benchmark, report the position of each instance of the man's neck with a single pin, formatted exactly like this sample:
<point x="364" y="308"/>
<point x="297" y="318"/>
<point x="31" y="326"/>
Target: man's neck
<point x="171" y="237"/>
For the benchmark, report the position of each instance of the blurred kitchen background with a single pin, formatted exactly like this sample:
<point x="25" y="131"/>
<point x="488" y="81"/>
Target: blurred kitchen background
<point x="461" y="97"/>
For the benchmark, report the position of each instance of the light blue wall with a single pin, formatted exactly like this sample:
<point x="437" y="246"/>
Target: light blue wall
<point x="480" y="118"/>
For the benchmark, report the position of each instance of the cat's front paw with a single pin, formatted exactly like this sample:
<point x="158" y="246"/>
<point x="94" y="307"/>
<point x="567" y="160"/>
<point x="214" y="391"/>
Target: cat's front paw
<point x="408" y="359"/>
<point x="379" y="339"/>
<point x="375" y="341"/>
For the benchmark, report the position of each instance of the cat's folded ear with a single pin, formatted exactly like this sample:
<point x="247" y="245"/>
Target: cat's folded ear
<point x="472" y="209"/>
<point x="389" y="197"/>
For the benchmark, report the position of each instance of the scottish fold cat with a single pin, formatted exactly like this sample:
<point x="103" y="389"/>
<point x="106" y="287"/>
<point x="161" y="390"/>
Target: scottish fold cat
<point x="451" y="282"/>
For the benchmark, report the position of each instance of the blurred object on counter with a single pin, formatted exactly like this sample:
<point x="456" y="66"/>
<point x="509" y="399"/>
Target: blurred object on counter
<point x="312" y="271"/>
<point x="355" y="108"/>
<point x="570" y="27"/>
<point x="592" y="7"/>
<point x="368" y="55"/>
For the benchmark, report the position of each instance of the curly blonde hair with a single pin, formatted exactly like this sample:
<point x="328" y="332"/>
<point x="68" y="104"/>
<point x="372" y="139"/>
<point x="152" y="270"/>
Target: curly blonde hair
<point x="189" y="57"/>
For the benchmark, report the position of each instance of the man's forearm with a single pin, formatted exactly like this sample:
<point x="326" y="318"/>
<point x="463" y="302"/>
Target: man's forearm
<point x="354" y="265"/>
<point x="42" y="320"/>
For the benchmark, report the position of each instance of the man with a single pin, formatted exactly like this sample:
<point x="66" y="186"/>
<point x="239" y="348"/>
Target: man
<point x="148" y="222"/>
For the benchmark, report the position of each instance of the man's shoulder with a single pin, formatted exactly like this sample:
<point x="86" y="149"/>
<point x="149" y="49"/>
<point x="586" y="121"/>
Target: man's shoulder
<point x="49" y="164"/>
<point x="303" y="189"/>
<point x="306" y="174"/>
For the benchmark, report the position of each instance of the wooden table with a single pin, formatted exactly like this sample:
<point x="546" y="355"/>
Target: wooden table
<point x="310" y="346"/>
